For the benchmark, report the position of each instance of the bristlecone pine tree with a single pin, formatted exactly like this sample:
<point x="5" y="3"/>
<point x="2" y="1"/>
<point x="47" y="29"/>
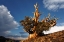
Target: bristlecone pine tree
<point x="35" y="27"/>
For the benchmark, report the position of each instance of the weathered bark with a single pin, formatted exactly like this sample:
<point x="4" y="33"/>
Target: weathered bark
<point x="34" y="35"/>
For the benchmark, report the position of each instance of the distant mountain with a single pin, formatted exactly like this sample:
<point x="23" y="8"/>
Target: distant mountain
<point x="53" y="37"/>
<point x="3" y="39"/>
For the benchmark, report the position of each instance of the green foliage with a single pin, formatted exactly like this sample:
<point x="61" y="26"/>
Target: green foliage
<point x="29" y="24"/>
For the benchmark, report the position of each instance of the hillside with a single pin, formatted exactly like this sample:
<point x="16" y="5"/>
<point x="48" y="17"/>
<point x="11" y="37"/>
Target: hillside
<point x="3" y="39"/>
<point x="53" y="37"/>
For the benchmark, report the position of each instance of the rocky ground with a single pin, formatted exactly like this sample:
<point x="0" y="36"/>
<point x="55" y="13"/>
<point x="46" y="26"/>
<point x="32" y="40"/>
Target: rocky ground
<point x="53" y="37"/>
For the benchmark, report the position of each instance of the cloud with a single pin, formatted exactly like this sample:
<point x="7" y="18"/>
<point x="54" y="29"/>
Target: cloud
<point x="22" y="32"/>
<point x="53" y="4"/>
<point x="13" y="36"/>
<point x="7" y="21"/>
<point x="17" y="37"/>
<point x="55" y="29"/>
<point x="7" y="32"/>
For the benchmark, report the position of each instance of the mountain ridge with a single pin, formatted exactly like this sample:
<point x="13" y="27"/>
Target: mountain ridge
<point x="3" y="39"/>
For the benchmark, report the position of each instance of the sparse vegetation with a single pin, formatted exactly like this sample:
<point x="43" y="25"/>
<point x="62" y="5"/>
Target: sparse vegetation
<point x="53" y="37"/>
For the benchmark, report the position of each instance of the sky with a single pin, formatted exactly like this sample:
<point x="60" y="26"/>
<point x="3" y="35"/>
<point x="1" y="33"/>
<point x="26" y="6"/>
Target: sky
<point x="13" y="11"/>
